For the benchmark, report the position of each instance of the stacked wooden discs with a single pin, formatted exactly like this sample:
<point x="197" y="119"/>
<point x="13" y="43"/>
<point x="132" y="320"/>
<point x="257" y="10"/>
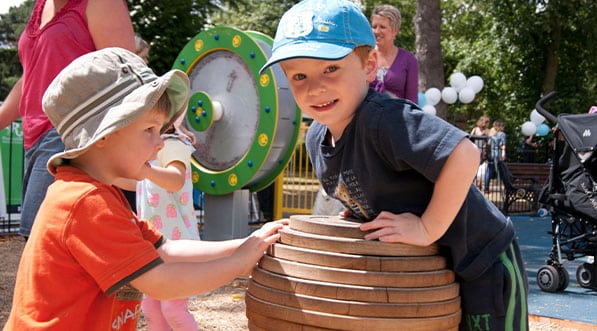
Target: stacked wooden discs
<point x="322" y="275"/>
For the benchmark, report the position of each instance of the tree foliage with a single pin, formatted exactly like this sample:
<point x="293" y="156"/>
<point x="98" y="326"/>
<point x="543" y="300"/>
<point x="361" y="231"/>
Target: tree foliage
<point x="12" y="25"/>
<point x="168" y="25"/>
<point x="253" y="15"/>
<point x="522" y="49"/>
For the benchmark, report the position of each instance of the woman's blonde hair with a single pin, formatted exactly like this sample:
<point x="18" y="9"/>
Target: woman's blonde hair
<point x="391" y="13"/>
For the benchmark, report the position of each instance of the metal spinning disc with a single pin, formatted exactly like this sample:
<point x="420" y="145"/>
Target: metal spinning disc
<point x="245" y="124"/>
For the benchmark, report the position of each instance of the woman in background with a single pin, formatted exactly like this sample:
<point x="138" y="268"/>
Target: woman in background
<point x="57" y="32"/>
<point x="479" y="135"/>
<point x="398" y="70"/>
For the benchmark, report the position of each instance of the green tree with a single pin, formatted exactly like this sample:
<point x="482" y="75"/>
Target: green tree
<point x="253" y="15"/>
<point x="522" y="49"/>
<point x="13" y="23"/>
<point x="168" y="26"/>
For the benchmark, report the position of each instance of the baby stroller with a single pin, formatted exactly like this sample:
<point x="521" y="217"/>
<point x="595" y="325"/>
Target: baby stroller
<point x="571" y="197"/>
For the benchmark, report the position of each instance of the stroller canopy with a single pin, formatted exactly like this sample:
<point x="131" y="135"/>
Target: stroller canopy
<point x="576" y="167"/>
<point x="580" y="131"/>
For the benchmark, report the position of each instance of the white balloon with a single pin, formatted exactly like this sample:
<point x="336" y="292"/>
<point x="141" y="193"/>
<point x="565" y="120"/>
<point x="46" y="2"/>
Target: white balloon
<point x="458" y="80"/>
<point x="433" y="96"/>
<point x="475" y="82"/>
<point x="466" y="95"/>
<point x="528" y="128"/>
<point x="449" y="95"/>
<point x="429" y="109"/>
<point x="536" y="117"/>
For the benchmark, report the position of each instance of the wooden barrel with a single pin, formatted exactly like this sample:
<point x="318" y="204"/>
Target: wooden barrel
<point x="322" y="275"/>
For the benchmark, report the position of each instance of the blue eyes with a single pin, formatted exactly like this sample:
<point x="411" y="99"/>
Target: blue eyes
<point x="331" y="69"/>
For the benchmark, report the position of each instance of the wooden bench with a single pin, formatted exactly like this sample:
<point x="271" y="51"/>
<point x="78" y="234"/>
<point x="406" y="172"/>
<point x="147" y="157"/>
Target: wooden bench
<point x="523" y="181"/>
<point x="539" y="171"/>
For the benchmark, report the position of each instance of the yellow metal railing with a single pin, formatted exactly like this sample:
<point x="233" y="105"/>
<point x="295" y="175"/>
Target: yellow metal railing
<point x="297" y="186"/>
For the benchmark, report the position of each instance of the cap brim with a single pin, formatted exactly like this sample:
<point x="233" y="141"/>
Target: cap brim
<point x="308" y="49"/>
<point x="175" y="83"/>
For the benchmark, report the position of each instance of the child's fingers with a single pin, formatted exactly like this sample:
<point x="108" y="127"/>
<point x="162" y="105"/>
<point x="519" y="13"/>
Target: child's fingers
<point x="376" y="224"/>
<point x="273" y="227"/>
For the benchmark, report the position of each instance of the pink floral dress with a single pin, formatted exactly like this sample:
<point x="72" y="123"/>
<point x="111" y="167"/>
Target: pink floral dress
<point x="172" y="213"/>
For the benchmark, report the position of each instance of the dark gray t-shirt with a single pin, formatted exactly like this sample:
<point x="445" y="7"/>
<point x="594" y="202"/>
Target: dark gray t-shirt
<point x="388" y="159"/>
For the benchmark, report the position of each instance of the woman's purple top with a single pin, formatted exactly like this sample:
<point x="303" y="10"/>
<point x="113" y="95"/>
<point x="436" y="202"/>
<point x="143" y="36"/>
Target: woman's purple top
<point x="401" y="79"/>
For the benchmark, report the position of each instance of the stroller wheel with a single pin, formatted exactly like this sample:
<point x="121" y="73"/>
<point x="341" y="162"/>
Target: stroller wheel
<point x="548" y="278"/>
<point x="564" y="278"/>
<point x="584" y="275"/>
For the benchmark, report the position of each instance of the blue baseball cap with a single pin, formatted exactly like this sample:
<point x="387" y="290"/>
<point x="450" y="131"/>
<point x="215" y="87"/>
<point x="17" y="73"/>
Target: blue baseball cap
<point x="320" y="29"/>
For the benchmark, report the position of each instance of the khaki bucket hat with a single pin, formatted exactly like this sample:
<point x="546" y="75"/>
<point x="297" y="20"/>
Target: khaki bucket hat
<point x="103" y="91"/>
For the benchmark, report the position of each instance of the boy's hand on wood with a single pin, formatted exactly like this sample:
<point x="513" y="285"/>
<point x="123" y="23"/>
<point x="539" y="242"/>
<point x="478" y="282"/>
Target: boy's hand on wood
<point x="257" y="243"/>
<point x="406" y="228"/>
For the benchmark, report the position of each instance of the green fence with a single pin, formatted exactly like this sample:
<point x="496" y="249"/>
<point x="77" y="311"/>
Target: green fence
<point x="11" y="148"/>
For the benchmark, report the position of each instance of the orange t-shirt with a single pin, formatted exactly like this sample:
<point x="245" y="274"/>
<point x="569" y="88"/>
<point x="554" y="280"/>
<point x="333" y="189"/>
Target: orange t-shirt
<point x="85" y="247"/>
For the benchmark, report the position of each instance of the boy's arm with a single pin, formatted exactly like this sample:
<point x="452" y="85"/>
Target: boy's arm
<point x="194" y="267"/>
<point x="451" y="188"/>
<point x="197" y="250"/>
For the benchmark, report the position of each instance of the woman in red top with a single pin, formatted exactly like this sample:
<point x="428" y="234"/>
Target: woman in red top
<point x="58" y="32"/>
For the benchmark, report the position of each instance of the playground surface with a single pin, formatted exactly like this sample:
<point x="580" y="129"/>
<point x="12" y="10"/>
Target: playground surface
<point x="575" y="303"/>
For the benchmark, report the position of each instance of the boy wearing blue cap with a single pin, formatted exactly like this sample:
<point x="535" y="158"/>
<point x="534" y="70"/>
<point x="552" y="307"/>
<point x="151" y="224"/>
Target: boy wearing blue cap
<point x="406" y="174"/>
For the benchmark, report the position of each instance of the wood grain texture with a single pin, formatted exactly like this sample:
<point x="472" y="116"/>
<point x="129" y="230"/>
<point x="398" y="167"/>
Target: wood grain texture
<point x="352" y="245"/>
<point x="332" y="290"/>
<point x="322" y="275"/>
<point x="356" y="261"/>
<point x="357" y="277"/>
<point x="343" y="322"/>
<point x="333" y="226"/>
<point x="258" y="322"/>
<point x="354" y="308"/>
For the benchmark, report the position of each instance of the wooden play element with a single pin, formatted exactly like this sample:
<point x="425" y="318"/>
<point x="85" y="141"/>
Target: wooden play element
<point x="323" y="275"/>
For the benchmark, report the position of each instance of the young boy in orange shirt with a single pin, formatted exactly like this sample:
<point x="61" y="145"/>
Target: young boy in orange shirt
<point x="89" y="257"/>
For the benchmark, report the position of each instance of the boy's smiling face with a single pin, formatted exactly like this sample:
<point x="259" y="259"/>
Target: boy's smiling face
<point x="329" y="91"/>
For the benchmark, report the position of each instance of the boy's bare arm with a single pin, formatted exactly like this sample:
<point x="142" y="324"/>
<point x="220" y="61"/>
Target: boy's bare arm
<point x="172" y="251"/>
<point x="194" y="267"/>
<point x="451" y="189"/>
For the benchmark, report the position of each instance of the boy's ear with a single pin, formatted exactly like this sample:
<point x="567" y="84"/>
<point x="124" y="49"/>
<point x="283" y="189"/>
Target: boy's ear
<point x="371" y="66"/>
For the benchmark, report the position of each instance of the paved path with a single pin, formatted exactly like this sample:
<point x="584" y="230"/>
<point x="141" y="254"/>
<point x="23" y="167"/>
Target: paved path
<point x="575" y="303"/>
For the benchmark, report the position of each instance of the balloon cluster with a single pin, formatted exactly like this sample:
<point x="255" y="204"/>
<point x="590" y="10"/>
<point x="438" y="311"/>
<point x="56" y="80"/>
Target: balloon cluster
<point x="461" y="89"/>
<point x="535" y="125"/>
